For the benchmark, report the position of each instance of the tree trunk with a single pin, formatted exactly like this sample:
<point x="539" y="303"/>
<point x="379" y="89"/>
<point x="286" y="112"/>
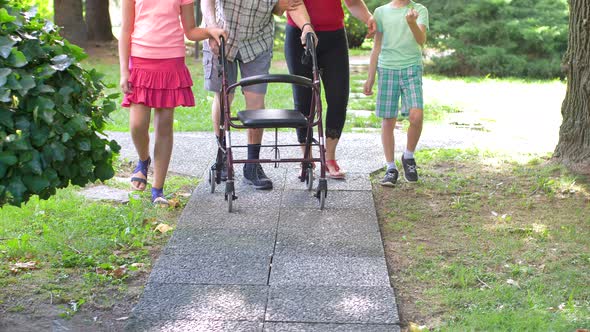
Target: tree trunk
<point x="98" y="20"/>
<point x="574" y="135"/>
<point x="68" y="15"/>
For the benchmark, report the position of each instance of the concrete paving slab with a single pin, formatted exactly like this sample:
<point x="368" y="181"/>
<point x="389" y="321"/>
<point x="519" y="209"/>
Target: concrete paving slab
<point x="194" y="326"/>
<point x="200" y="242"/>
<point x="223" y="268"/>
<point x="169" y="302"/>
<point x="244" y="219"/>
<point x="317" y="327"/>
<point x="367" y="305"/>
<point x="353" y="233"/>
<point x="353" y="181"/>
<point x="299" y="199"/>
<point x="329" y="271"/>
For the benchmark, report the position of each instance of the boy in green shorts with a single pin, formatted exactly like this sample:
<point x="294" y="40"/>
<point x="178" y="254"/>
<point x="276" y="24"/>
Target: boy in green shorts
<point x="397" y="55"/>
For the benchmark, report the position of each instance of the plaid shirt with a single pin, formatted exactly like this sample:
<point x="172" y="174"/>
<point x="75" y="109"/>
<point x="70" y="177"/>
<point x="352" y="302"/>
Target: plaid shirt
<point x="250" y="26"/>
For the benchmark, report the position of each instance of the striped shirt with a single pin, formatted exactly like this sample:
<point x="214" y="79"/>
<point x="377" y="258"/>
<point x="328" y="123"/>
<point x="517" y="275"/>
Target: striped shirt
<point x="250" y="26"/>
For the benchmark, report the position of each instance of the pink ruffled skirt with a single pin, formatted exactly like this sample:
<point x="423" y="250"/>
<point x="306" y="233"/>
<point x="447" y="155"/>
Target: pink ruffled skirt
<point x="159" y="83"/>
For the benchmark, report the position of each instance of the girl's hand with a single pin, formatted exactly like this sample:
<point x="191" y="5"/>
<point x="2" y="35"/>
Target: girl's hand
<point x="216" y="33"/>
<point x="124" y="84"/>
<point x="368" y="88"/>
<point x="411" y="16"/>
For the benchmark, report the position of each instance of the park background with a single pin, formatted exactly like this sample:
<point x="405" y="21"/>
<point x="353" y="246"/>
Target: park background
<point x="494" y="238"/>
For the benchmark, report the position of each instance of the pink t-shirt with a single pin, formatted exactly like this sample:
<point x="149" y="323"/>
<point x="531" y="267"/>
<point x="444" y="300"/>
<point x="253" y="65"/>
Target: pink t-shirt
<point x="157" y="31"/>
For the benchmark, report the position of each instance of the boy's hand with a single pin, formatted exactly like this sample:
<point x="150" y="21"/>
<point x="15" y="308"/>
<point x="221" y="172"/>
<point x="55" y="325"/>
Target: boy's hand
<point x="412" y="16"/>
<point x="372" y="27"/>
<point x="368" y="88"/>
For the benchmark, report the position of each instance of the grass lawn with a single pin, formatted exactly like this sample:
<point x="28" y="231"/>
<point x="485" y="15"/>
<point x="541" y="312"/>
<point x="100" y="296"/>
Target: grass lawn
<point x="83" y="262"/>
<point x="487" y="243"/>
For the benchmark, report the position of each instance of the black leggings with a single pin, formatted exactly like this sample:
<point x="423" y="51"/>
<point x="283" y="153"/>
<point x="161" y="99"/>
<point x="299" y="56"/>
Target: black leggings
<point x="332" y="54"/>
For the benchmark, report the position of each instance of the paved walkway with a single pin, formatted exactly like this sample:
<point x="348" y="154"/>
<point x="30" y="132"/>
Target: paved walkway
<point x="278" y="263"/>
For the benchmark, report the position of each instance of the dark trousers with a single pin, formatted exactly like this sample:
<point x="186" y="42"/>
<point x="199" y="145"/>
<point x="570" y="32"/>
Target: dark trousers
<point x="332" y="54"/>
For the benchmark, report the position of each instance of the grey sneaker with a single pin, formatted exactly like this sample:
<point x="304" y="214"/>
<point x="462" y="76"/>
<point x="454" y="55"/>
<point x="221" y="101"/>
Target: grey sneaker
<point x="390" y="178"/>
<point x="254" y="175"/>
<point x="410" y="169"/>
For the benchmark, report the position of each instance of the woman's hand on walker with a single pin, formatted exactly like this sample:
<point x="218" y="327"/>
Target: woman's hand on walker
<point x="308" y="29"/>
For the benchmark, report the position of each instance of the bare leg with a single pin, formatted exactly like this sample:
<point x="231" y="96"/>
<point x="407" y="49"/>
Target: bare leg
<point x="139" y="125"/>
<point x="416" y="118"/>
<point x="331" y="144"/>
<point x="163" y="124"/>
<point x="388" y="139"/>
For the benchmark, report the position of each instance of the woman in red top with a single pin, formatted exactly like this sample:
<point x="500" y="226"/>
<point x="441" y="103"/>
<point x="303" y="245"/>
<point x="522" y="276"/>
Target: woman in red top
<point x="327" y="20"/>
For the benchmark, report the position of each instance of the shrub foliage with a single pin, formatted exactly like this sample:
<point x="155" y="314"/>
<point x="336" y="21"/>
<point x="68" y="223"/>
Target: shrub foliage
<point x="520" y="38"/>
<point x="52" y="112"/>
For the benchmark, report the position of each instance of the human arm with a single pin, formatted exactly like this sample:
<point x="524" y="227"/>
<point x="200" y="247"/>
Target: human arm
<point x="191" y="32"/>
<point x="127" y="20"/>
<point x="418" y="30"/>
<point x="359" y="9"/>
<point x="300" y="17"/>
<point x="286" y="5"/>
<point x="368" y="87"/>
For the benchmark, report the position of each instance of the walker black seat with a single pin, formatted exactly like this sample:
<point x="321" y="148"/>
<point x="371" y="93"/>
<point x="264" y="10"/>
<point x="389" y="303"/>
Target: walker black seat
<point x="272" y="118"/>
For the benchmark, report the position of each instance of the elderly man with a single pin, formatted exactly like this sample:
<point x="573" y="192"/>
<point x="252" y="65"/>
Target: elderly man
<point x="250" y="27"/>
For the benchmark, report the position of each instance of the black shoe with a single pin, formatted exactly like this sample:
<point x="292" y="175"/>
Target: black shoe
<point x="410" y="169"/>
<point x="254" y="175"/>
<point x="390" y="178"/>
<point x="224" y="168"/>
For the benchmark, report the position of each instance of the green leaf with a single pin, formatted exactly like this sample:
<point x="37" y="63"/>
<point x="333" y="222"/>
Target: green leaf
<point x="27" y="82"/>
<point x="61" y="62"/>
<point x="5" y="96"/>
<point x="5" y="17"/>
<point x="45" y="71"/>
<point x="104" y="171"/>
<point x="32" y="49"/>
<point x="47" y="116"/>
<point x="44" y="88"/>
<point x="17" y="188"/>
<point x="3" y="170"/>
<point x="17" y="59"/>
<point x="84" y="144"/>
<point x="8" y="158"/>
<point x="6" y="118"/>
<point x="34" y="165"/>
<point x="76" y="51"/>
<point x="6" y="44"/>
<point x="39" y="135"/>
<point x="35" y="183"/>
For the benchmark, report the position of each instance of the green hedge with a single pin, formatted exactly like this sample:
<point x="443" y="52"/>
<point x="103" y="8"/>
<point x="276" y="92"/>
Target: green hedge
<point x="519" y="38"/>
<point x="52" y="111"/>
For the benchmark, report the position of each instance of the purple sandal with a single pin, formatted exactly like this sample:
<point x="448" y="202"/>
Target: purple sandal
<point x="142" y="166"/>
<point x="158" y="197"/>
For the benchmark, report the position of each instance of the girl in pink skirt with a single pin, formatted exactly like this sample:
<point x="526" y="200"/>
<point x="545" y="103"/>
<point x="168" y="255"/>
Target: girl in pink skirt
<point x="154" y="75"/>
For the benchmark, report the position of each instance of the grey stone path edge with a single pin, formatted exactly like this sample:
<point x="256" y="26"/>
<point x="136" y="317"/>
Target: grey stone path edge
<point x="277" y="263"/>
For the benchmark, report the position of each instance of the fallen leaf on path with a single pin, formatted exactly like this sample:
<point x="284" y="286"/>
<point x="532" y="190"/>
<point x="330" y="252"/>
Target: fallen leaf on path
<point x="173" y="203"/>
<point x="513" y="283"/>
<point x="122" y="318"/>
<point x="416" y="328"/>
<point x="21" y="266"/>
<point x="163" y="228"/>
<point x="138" y="265"/>
<point x="119" y="272"/>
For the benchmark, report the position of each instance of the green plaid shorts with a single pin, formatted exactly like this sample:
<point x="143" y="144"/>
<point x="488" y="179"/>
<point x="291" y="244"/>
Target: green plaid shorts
<point x="395" y="83"/>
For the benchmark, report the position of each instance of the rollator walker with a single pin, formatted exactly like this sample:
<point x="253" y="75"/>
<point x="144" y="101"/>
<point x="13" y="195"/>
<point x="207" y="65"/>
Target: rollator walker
<point x="272" y="118"/>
